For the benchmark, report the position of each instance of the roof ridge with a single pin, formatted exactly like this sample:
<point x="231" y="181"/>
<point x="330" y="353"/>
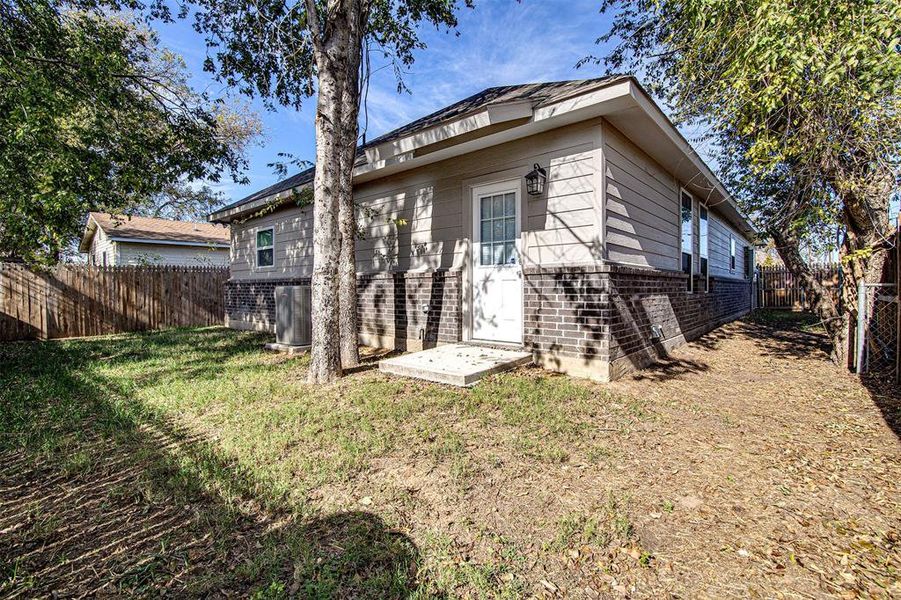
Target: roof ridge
<point x="452" y="111"/>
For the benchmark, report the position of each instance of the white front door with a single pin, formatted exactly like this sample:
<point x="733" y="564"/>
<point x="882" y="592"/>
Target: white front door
<point x="496" y="269"/>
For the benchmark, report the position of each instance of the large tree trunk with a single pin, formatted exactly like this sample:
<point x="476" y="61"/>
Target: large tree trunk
<point x="862" y="256"/>
<point x="823" y="301"/>
<point x="325" y="363"/>
<point x="865" y="190"/>
<point x="347" y="224"/>
<point x="337" y="61"/>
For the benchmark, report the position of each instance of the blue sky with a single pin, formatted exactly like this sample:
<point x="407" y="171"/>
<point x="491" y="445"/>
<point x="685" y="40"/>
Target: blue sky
<point x="500" y="42"/>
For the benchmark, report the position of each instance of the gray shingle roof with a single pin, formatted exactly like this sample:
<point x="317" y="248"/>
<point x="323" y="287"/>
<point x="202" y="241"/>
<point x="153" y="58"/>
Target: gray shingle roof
<point x="539" y="94"/>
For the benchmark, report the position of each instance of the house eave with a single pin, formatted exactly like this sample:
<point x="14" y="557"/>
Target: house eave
<point x="90" y="230"/>
<point x="579" y="108"/>
<point x="623" y="102"/>
<point x="199" y="244"/>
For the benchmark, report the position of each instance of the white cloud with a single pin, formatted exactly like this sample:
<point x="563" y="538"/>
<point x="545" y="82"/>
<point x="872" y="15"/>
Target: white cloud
<point x="500" y="43"/>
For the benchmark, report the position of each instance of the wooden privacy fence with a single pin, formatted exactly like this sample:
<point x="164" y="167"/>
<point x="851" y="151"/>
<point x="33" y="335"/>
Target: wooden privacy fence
<point x="777" y="288"/>
<point x="76" y="301"/>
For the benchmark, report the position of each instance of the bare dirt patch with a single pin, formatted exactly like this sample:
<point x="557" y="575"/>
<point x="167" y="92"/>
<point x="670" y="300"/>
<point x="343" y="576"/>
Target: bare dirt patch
<point x="746" y="465"/>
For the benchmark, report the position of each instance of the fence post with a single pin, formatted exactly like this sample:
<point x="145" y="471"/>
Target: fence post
<point x="861" y="325"/>
<point x="898" y="301"/>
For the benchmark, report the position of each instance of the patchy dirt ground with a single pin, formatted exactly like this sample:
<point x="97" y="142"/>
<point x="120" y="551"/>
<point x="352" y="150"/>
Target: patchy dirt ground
<point x="745" y="466"/>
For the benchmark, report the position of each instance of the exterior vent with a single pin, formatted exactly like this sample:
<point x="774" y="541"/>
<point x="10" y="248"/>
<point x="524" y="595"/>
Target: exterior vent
<point x="293" y="315"/>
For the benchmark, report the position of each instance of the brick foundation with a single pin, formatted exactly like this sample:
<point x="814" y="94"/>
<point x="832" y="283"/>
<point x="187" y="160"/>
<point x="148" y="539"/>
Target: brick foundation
<point x="250" y="303"/>
<point x="410" y="310"/>
<point x="593" y="321"/>
<point x="597" y="321"/>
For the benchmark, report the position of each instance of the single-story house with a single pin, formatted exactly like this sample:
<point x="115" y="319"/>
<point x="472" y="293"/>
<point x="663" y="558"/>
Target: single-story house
<point x="568" y="218"/>
<point x="112" y="240"/>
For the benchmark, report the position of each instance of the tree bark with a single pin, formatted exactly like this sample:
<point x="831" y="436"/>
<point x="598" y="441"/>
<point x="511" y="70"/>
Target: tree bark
<point x="347" y="222"/>
<point x="862" y="256"/>
<point x="865" y="190"/>
<point x="823" y="301"/>
<point x="337" y="53"/>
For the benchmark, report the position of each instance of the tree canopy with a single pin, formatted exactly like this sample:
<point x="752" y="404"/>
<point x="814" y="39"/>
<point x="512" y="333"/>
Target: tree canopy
<point x="803" y="91"/>
<point x="803" y="98"/>
<point x="287" y="50"/>
<point x="94" y="115"/>
<point x="266" y="49"/>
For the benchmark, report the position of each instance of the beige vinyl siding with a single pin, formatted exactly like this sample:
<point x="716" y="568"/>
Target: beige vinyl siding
<point x="433" y="202"/>
<point x="642" y="206"/>
<point x="131" y="253"/>
<point x="100" y="244"/>
<point x="719" y="249"/>
<point x="292" y="234"/>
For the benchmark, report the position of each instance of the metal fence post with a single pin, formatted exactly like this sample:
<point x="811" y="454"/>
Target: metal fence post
<point x="861" y="324"/>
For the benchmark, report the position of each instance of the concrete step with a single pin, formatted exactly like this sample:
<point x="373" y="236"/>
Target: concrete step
<point x="455" y="364"/>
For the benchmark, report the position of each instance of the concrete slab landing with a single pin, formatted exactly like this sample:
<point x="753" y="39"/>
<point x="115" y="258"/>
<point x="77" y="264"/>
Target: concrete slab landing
<point x="455" y="364"/>
<point x="286" y="349"/>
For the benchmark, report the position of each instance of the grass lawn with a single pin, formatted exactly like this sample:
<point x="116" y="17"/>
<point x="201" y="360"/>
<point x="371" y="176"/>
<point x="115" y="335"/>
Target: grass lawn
<point x="189" y="462"/>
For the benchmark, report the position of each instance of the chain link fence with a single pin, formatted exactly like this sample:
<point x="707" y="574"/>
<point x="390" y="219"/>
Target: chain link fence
<point x="877" y="328"/>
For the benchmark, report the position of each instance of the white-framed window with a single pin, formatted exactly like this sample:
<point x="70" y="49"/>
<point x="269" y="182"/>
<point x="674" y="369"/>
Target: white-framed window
<point x="703" y="245"/>
<point x="686" y="218"/>
<point x="265" y="247"/>
<point x="731" y="252"/>
<point x="497" y="229"/>
<point x="104" y="258"/>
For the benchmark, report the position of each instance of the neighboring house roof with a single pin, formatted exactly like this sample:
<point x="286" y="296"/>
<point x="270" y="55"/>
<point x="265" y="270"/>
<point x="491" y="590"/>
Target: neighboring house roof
<point x="501" y="114"/>
<point x="148" y="230"/>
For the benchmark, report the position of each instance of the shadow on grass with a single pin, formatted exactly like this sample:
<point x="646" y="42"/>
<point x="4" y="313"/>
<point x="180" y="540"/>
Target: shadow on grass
<point x="101" y="495"/>
<point x="783" y="334"/>
<point x="886" y="396"/>
<point x="788" y="334"/>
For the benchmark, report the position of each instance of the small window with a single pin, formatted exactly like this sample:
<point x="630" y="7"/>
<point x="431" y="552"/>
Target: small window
<point x="687" y="219"/>
<point x="703" y="237"/>
<point x="265" y="247"/>
<point x="731" y="253"/>
<point x="104" y="258"/>
<point x="749" y="262"/>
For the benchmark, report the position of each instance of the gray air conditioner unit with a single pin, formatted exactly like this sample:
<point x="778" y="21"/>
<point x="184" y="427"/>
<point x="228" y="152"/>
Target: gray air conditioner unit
<point x="293" y="315"/>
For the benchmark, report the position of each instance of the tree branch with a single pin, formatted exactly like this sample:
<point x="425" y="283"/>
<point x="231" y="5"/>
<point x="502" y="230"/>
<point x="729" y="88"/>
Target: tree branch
<point x="313" y="24"/>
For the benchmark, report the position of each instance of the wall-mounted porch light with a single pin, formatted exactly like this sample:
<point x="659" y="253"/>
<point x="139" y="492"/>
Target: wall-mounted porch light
<point x="535" y="180"/>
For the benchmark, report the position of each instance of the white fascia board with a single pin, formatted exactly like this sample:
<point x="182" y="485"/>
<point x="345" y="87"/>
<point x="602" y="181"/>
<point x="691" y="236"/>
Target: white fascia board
<point x="594" y="104"/>
<point x="129" y="240"/>
<point x="228" y="215"/>
<point x="492" y="114"/>
<point x="650" y="108"/>
<point x="90" y="230"/>
<point x="502" y="112"/>
<point x="439" y="133"/>
<point x="608" y="98"/>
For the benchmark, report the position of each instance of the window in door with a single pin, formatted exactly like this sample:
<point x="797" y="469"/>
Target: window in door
<point x="702" y="247"/>
<point x="687" y="238"/>
<point x="497" y="229"/>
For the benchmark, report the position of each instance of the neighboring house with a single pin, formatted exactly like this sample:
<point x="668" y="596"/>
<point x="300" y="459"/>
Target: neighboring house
<point x="631" y="247"/>
<point x="111" y="241"/>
